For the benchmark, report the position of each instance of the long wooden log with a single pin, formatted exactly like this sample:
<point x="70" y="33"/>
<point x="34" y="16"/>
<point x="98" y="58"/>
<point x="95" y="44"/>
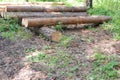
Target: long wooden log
<point x="44" y="9"/>
<point x="49" y="33"/>
<point x="37" y="22"/>
<point x="40" y="14"/>
<point x="4" y="4"/>
<point x="31" y="3"/>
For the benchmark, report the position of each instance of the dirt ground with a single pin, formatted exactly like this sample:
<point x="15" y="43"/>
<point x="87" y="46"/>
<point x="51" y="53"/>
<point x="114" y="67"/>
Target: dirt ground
<point x="14" y="66"/>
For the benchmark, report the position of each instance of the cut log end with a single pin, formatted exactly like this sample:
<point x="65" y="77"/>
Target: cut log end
<point x="25" y="22"/>
<point x="56" y="36"/>
<point x="51" y="34"/>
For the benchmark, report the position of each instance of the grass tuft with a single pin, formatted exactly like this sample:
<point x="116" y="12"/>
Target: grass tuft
<point x="109" y="8"/>
<point x="103" y="68"/>
<point x="11" y="30"/>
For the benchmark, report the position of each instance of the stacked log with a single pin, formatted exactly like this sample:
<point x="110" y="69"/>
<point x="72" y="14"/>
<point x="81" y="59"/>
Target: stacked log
<point x="44" y="9"/>
<point x="37" y="22"/>
<point x="4" y="4"/>
<point x="21" y="15"/>
<point x="37" y="15"/>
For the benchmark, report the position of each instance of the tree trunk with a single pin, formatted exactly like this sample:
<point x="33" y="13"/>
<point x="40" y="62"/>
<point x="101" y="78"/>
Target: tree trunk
<point x="44" y="9"/>
<point x="21" y="15"/>
<point x="49" y="33"/>
<point x="37" y="22"/>
<point x="89" y="3"/>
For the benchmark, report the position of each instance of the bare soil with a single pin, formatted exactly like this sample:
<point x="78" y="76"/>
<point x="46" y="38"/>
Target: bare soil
<point x="15" y="66"/>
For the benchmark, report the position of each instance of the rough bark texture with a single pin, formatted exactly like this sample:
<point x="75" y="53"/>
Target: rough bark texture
<point x="40" y="14"/>
<point x="44" y="9"/>
<point x="37" y="22"/>
<point x="51" y="34"/>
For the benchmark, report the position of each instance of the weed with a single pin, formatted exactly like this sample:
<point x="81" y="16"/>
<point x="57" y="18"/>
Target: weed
<point x="10" y="35"/>
<point x="58" y="27"/>
<point x="41" y="36"/>
<point x="65" y="41"/>
<point x="90" y="39"/>
<point x="30" y="50"/>
<point x="73" y="69"/>
<point x="46" y="47"/>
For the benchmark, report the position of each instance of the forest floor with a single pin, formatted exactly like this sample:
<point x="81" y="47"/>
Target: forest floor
<point x="77" y="54"/>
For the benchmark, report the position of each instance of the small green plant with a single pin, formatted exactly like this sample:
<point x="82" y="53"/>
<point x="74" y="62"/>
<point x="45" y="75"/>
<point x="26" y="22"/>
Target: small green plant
<point x="10" y="35"/>
<point x="73" y="69"/>
<point x="90" y="39"/>
<point x="65" y="40"/>
<point x="41" y="36"/>
<point x="30" y="50"/>
<point x="46" y="47"/>
<point x="58" y="27"/>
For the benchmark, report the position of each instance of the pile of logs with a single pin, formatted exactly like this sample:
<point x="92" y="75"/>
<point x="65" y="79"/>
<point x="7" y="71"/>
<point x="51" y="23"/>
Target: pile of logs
<point x="48" y="14"/>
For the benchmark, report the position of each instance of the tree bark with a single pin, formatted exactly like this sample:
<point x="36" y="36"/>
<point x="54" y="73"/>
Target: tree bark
<point x="50" y="34"/>
<point x="44" y="9"/>
<point x="37" y="22"/>
<point x="21" y="15"/>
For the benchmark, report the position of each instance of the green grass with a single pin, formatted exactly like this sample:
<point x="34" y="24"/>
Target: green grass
<point x="65" y="40"/>
<point x="57" y="62"/>
<point x="51" y="60"/>
<point x="11" y="30"/>
<point x="110" y="8"/>
<point x="103" y="68"/>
